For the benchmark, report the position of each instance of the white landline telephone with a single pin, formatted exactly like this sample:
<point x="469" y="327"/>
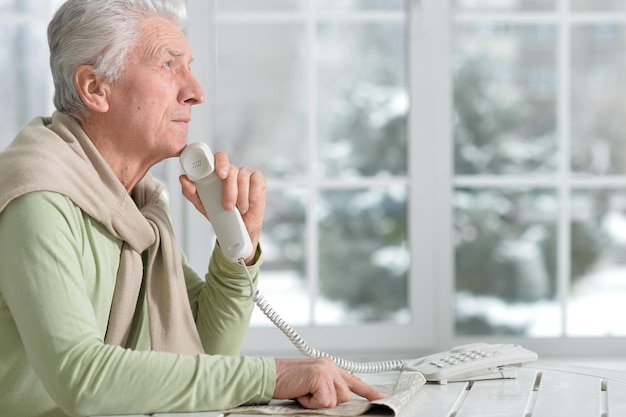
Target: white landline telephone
<point x="463" y="363"/>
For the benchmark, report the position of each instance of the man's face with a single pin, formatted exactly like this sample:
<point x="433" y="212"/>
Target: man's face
<point x="150" y="105"/>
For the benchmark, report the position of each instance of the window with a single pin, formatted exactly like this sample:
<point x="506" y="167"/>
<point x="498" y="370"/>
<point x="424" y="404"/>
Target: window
<point x="437" y="171"/>
<point x="539" y="169"/>
<point x="513" y="182"/>
<point x="315" y="94"/>
<point x="24" y="86"/>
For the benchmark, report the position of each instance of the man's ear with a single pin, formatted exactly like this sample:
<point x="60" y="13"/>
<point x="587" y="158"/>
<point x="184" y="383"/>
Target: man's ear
<point x="92" y="88"/>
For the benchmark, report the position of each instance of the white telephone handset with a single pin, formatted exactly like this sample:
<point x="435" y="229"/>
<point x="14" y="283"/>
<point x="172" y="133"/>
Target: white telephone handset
<point x="233" y="238"/>
<point x="463" y="363"/>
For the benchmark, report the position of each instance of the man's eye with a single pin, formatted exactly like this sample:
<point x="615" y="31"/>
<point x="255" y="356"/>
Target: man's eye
<point x="167" y="64"/>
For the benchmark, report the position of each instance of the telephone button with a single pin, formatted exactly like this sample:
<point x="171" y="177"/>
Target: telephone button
<point x="438" y="364"/>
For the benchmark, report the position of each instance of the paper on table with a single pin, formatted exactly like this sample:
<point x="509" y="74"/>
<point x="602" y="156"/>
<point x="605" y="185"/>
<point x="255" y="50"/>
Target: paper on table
<point x="397" y="394"/>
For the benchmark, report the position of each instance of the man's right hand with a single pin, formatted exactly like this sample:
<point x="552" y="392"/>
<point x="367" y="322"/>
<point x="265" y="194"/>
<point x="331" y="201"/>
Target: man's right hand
<point x="318" y="383"/>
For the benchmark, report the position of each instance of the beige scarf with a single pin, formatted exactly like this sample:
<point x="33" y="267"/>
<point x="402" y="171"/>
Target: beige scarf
<point x="55" y="154"/>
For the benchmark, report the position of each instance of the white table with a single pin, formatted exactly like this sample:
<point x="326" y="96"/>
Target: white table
<point x="540" y="390"/>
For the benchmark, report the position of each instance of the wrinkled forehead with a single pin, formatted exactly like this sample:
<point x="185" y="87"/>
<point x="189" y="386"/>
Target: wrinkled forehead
<point x="159" y="37"/>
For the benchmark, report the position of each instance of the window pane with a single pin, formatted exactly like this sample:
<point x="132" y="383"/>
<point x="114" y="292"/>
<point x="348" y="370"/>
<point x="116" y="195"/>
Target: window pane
<point x="598" y="264"/>
<point x="363" y="102"/>
<point x="505" y="261"/>
<point x="256" y="5"/>
<point x="325" y="96"/>
<point x="496" y="5"/>
<point x="598" y="124"/>
<point x="364" y="257"/>
<point x="362" y="4"/>
<point x="25" y="82"/>
<point x="20" y="5"/>
<point x="598" y="5"/>
<point x="261" y="103"/>
<point x="284" y="273"/>
<point x="505" y="88"/>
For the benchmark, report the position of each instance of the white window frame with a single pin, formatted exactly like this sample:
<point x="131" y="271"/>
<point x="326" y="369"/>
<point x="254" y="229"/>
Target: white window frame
<point x="431" y="180"/>
<point x="430" y="202"/>
<point x="354" y="340"/>
<point x="563" y="182"/>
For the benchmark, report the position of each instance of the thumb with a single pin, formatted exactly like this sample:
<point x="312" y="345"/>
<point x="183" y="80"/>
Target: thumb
<point x="189" y="190"/>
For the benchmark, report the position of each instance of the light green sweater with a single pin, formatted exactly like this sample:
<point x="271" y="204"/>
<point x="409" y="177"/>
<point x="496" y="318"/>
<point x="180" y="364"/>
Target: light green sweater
<point x="57" y="274"/>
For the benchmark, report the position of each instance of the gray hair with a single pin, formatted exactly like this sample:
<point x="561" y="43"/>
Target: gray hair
<point x="98" y="33"/>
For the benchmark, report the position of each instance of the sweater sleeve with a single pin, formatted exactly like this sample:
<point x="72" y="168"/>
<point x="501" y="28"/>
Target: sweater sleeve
<point x="55" y="267"/>
<point x="222" y="303"/>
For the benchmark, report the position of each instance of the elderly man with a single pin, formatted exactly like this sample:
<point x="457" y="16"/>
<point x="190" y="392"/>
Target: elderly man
<point x="99" y="311"/>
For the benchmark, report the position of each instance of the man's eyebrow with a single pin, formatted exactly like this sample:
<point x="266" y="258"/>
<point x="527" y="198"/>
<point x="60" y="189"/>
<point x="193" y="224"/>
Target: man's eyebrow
<point x="175" y="52"/>
<point x="158" y="51"/>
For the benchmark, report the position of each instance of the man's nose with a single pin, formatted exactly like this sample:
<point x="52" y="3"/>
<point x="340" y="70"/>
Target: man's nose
<point x="191" y="92"/>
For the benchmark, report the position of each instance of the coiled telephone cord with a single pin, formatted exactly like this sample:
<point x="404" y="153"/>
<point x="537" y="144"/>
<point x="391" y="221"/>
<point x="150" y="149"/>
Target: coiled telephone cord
<point x="308" y="351"/>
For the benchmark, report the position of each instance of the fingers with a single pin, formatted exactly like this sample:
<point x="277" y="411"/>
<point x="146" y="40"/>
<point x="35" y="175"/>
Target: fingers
<point x="251" y="186"/>
<point x="362" y="389"/>
<point x="189" y="191"/>
<point x="228" y="174"/>
<point x="238" y="188"/>
<point x="222" y="165"/>
<point x="243" y="188"/>
<point x="328" y="395"/>
<point x="229" y="189"/>
<point x="319" y="383"/>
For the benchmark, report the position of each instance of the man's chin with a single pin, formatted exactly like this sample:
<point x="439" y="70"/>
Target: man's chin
<point x="180" y="147"/>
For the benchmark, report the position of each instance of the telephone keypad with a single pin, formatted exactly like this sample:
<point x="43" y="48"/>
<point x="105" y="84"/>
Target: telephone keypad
<point x="463" y="357"/>
<point x="474" y="361"/>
